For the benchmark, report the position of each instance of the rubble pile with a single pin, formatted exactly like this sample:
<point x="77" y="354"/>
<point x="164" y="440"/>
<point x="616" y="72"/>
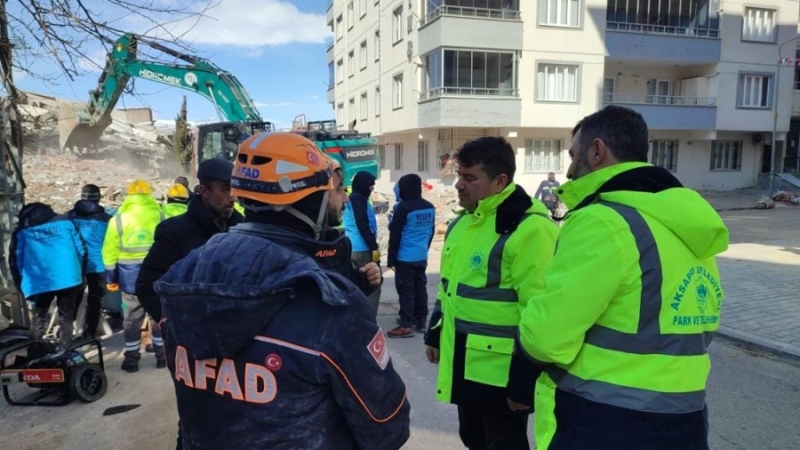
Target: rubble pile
<point x="125" y="152"/>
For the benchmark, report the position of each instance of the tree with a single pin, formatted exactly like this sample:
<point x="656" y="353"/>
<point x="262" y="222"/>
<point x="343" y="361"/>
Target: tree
<point x="182" y="140"/>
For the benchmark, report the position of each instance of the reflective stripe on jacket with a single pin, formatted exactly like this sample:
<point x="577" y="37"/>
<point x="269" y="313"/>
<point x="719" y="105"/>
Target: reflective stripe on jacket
<point x="487" y="278"/>
<point x="633" y="296"/>
<point x="128" y="239"/>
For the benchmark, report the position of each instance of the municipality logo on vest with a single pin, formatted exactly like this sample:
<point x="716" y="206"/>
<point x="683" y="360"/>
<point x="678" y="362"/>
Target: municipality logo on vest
<point x="702" y="295"/>
<point x="476" y="261"/>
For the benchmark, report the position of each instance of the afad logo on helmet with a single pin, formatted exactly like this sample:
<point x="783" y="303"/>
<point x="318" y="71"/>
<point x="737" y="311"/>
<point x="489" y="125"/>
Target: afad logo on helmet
<point x="247" y="172"/>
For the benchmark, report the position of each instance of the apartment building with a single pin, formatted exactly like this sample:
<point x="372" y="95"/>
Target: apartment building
<point x="425" y="76"/>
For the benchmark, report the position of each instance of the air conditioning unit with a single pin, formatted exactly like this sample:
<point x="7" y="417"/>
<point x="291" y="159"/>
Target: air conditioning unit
<point x="410" y="49"/>
<point x="757" y="138"/>
<point x="410" y="23"/>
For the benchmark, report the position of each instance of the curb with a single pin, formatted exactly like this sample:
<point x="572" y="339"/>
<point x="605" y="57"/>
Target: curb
<point x="741" y="208"/>
<point x="766" y="345"/>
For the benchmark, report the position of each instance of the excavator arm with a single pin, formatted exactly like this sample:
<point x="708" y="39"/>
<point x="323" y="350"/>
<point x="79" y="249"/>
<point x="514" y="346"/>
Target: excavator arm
<point x="83" y="129"/>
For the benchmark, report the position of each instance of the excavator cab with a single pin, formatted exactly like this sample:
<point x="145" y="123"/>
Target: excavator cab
<point x="222" y="139"/>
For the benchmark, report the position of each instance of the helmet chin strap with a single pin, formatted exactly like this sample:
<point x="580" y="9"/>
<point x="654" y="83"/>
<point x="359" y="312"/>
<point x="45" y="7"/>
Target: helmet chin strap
<point x="317" y="226"/>
<point x="321" y="217"/>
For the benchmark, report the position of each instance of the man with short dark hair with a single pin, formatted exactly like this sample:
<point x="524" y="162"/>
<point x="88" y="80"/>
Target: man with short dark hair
<point x="633" y="298"/>
<point x="547" y="192"/>
<point x="209" y="212"/>
<point x="494" y="257"/>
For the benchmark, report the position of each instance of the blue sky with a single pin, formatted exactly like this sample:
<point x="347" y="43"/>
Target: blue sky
<point x="276" y="48"/>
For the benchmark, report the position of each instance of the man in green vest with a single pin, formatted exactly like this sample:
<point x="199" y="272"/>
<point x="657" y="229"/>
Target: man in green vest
<point x="177" y="201"/>
<point x="494" y="258"/>
<point x="632" y="300"/>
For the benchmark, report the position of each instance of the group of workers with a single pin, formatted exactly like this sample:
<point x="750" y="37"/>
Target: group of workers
<point x="600" y="327"/>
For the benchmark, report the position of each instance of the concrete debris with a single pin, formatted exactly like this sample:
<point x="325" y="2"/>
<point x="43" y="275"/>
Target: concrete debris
<point x="765" y="203"/>
<point x="126" y="151"/>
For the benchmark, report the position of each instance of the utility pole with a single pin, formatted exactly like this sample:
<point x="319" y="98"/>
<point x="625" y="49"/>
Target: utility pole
<point x="775" y="98"/>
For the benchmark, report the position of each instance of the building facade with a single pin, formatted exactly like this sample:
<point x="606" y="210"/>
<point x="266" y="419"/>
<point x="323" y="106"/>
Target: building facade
<point x="425" y="76"/>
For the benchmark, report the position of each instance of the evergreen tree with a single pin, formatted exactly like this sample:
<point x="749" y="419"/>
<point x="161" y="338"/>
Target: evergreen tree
<point x="182" y="140"/>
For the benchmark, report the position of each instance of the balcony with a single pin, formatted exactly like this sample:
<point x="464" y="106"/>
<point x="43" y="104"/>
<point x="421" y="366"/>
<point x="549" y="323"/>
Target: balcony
<point x="670" y="112"/>
<point x="456" y="26"/>
<point x="469" y="107"/>
<point x="329" y="14"/>
<point x="640" y="42"/>
<point x="678" y="31"/>
<point x="329" y="46"/>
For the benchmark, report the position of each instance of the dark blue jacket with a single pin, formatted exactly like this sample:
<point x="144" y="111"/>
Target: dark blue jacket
<point x="413" y="223"/>
<point x="269" y="351"/>
<point x="359" y="219"/>
<point x="92" y="221"/>
<point x="46" y="252"/>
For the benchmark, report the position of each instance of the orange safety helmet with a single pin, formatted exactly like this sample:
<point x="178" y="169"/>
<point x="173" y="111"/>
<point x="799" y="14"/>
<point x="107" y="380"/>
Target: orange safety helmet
<point x="279" y="169"/>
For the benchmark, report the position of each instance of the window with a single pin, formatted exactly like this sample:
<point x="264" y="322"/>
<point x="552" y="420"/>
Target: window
<point x="557" y="83"/>
<point x="382" y="156"/>
<point x="351" y="111"/>
<point x="331" y="75"/>
<point x="362" y="8"/>
<point x="351" y="63"/>
<point x="350" y="16"/>
<point x="377" y="101"/>
<point x="423" y="156"/>
<point x="397" y="92"/>
<point x="657" y="91"/>
<point x="608" y="90"/>
<point x="664" y="154"/>
<point x="698" y="18"/>
<point x="397" y="25"/>
<point x="755" y="91"/>
<point x="542" y="155"/>
<point x="340" y="115"/>
<point x="363" y="106"/>
<point x="758" y="25"/>
<point x="339" y="28"/>
<point x="340" y="71"/>
<point x="467" y="72"/>
<point x="363" y="55"/>
<point x="726" y="155"/>
<point x="398" y="156"/>
<point x="377" y="45"/>
<point x="560" y="13"/>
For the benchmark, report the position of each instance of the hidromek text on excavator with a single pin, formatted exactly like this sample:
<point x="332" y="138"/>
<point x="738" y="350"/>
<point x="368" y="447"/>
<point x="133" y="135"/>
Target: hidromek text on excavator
<point x="82" y="127"/>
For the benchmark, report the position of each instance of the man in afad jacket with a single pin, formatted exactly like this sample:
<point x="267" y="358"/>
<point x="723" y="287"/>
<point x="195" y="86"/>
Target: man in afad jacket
<point x="92" y="221"/>
<point x="127" y="241"/>
<point x="494" y="258"/>
<point x="410" y="235"/>
<point x="361" y="226"/>
<point x="633" y="297"/>
<point x="47" y="258"/>
<point x="256" y="327"/>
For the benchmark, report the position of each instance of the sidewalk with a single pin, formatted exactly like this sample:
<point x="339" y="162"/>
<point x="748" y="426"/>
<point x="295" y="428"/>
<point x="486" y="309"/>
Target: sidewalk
<point x="762" y="294"/>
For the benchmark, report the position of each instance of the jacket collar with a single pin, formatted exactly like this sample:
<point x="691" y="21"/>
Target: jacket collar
<point x="574" y="192"/>
<point x="202" y="214"/>
<point x="490" y="204"/>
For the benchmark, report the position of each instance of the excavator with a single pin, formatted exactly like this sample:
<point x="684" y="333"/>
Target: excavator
<point x="82" y="127"/>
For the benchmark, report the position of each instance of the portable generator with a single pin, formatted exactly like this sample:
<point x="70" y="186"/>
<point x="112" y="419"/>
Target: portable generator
<point x="56" y="375"/>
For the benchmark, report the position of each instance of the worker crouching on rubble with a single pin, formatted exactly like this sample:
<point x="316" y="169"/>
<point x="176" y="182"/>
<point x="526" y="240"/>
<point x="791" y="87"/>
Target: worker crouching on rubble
<point x="256" y="326"/>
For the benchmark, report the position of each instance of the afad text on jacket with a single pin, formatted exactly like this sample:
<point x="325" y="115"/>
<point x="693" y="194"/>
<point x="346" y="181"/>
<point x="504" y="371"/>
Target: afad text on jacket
<point x="413" y="223"/>
<point x="269" y="351"/>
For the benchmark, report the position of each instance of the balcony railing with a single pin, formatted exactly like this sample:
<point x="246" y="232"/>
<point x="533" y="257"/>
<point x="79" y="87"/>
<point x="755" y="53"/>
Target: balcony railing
<point x="468" y="92"/>
<point x="663" y="30"/>
<point x="669" y="100"/>
<point x="480" y="13"/>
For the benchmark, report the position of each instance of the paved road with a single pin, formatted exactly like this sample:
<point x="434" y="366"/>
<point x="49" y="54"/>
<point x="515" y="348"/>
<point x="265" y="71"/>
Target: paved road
<point x="760" y="278"/>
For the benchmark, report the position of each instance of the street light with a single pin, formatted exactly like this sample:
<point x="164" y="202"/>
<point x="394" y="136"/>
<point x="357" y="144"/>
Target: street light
<point x="775" y="114"/>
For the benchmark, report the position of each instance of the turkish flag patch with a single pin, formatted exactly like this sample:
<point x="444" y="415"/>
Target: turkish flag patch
<point x="377" y="348"/>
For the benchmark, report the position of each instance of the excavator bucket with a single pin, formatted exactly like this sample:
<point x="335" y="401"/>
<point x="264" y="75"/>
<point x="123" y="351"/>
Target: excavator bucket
<point x="74" y="129"/>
